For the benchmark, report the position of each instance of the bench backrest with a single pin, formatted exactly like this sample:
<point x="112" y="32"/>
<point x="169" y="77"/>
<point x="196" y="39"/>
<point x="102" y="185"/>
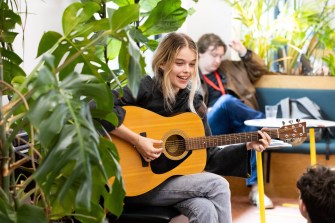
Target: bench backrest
<point x="324" y="98"/>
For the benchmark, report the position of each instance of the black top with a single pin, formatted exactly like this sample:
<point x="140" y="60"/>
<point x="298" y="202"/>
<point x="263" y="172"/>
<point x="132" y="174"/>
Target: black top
<point x="213" y="94"/>
<point x="233" y="160"/>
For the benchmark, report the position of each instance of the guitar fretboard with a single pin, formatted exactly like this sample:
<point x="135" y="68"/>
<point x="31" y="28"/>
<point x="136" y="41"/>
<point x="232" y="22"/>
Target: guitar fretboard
<point x="221" y="140"/>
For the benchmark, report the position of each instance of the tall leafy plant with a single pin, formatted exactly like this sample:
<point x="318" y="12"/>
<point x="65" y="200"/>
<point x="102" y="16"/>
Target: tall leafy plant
<point x="298" y="39"/>
<point x="73" y="171"/>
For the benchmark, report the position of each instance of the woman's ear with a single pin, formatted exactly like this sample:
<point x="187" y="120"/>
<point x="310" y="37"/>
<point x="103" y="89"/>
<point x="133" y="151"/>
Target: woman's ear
<point x="162" y="66"/>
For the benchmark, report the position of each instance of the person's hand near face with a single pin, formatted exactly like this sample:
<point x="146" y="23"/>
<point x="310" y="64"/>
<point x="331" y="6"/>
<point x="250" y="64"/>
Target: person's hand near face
<point x="238" y="47"/>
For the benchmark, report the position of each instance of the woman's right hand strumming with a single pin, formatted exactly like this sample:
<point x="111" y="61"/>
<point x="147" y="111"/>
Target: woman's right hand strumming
<point x="149" y="149"/>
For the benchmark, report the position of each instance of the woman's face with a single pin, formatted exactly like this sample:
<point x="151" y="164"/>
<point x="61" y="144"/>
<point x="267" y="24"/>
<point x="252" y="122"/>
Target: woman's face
<point x="183" y="68"/>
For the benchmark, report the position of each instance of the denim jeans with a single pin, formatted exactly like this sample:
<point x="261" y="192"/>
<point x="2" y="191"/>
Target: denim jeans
<point x="227" y="116"/>
<point x="202" y="197"/>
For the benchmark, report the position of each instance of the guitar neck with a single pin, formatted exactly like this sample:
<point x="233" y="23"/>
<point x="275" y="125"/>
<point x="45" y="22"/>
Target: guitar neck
<point x="221" y="140"/>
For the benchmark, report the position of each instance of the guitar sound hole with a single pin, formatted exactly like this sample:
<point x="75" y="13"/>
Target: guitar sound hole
<point x="175" y="145"/>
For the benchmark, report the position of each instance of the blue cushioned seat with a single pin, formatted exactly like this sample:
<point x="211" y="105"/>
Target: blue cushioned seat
<point x="324" y="98"/>
<point x="305" y="148"/>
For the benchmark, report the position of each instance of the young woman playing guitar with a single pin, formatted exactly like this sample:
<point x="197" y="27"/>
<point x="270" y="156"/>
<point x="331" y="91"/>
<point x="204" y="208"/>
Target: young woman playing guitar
<point x="203" y="196"/>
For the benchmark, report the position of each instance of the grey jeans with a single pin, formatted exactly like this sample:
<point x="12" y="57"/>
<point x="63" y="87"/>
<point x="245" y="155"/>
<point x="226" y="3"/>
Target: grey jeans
<point x="202" y="197"/>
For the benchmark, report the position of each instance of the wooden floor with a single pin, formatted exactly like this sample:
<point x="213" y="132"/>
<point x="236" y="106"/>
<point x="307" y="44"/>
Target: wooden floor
<point x="284" y="173"/>
<point x="286" y="210"/>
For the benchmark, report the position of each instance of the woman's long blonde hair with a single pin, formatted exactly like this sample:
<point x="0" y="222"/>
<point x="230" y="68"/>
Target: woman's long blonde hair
<point x="165" y="54"/>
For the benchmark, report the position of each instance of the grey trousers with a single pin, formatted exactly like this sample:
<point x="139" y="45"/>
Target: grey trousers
<point x="202" y="197"/>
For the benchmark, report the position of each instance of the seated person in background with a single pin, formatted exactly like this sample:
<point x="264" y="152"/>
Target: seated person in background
<point x="317" y="194"/>
<point x="229" y="93"/>
<point x="202" y="197"/>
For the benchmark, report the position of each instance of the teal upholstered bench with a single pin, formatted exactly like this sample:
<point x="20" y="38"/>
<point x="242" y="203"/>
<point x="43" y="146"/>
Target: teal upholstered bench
<point x="324" y="98"/>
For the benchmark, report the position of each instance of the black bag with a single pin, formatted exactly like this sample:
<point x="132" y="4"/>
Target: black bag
<point x="303" y="108"/>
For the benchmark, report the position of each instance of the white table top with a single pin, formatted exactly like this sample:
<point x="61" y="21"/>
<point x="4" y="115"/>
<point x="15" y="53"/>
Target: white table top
<point x="278" y="122"/>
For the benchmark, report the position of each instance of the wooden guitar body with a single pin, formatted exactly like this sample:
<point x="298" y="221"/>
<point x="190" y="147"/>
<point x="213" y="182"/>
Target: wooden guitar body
<point x="184" y="144"/>
<point x="139" y="176"/>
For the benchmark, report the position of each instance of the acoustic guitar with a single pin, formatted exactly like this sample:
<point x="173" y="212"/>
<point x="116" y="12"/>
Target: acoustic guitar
<point x="184" y="144"/>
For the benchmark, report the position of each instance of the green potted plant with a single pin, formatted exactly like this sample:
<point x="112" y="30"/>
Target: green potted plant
<point x="299" y="39"/>
<point x="71" y="167"/>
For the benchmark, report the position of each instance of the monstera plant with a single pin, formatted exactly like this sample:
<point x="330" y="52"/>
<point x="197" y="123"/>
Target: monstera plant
<point x="70" y="171"/>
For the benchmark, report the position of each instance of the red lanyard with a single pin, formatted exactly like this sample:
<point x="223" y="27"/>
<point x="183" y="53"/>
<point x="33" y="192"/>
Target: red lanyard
<point x="218" y="88"/>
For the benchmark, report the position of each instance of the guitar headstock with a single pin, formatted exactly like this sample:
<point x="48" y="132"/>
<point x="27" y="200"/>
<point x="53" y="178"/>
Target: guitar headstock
<point x="289" y="133"/>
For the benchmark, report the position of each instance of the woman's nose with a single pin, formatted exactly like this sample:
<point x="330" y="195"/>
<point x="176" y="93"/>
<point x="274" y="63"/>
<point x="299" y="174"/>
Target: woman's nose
<point x="187" y="68"/>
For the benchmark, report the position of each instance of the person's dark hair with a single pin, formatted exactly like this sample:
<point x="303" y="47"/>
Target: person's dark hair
<point x="210" y="39"/>
<point x="317" y="191"/>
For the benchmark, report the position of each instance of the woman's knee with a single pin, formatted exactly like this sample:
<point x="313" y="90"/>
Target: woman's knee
<point x="218" y="182"/>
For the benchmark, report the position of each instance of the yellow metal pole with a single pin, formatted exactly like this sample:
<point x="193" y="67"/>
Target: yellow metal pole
<point x="312" y="146"/>
<point x="260" y="186"/>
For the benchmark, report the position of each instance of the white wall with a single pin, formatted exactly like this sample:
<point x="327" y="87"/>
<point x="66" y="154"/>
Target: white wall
<point x="211" y="16"/>
<point x="43" y="16"/>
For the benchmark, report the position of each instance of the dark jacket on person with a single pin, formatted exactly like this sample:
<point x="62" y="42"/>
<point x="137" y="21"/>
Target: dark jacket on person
<point x="240" y="77"/>
<point x="232" y="160"/>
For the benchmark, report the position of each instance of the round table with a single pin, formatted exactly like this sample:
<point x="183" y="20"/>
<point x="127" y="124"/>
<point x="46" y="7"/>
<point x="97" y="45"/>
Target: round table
<point x="277" y="123"/>
<point x="310" y="123"/>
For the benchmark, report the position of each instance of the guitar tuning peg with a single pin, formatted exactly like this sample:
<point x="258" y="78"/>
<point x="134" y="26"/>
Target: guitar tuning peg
<point x="283" y="122"/>
<point x="298" y="120"/>
<point x="291" y="122"/>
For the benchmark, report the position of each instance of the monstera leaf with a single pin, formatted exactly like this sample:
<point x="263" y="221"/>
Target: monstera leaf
<point x="8" y="58"/>
<point x="23" y="214"/>
<point x="167" y="16"/>
<point x="73" y="164"/>
<point x="75" y="47"/>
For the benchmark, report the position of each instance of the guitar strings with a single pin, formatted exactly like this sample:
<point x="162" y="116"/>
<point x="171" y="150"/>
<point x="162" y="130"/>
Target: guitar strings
<point x="229" y="137"/>
<point x="201" y="141"/>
